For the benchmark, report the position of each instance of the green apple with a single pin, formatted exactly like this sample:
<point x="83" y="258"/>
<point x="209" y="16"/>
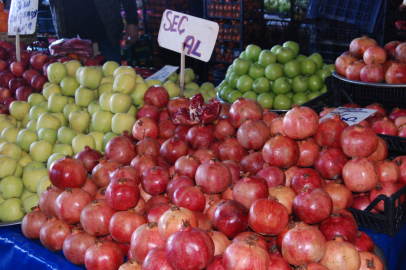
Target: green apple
<point x="35" y="99"/>
<point x="26" y="194"/>
<point x="256" y="71"/>
<point x="208" y="86"/>
<point x="64" y="149"/>
<point x="25" y="138"/>
<point x="241" y="66"/>
<point x="79" y="143"/>
<point x="315" y="83"/>
<point x="19" y="170"/>
<point x="191" y="73"/>
<point x="124" y="83"/>
<point x="282" y="102"/>
<point x="192" y="86"/>
<point x="25" y="121"/>
<point x="8" y="166"/>
<point x="107" y="138"/>
<point x="98" y="139"/>
<point x="121" y="122"/>
<point x="90" y="77"/>
<point x="244" y="83"/>
<point x="274" y="71"/>
<point x="233" y="96"/>
<point x="34" y="165"/>
<point x="93" y="107"/>
<point x="104" y="101"/>
<point x="299" y="98"/>
<point x="10" y="134"/>
<point x="11" y="187"/>
<point x="69" y="108"/>
<point x="65" y="135"/>
<point x="32" y="125"/>
<point x="251" y="95"/>
<point x="187" y="79"/>
<point x="323" y="73"/>
<point x="173" y="77"/>
<point x="233" y="80"/>
<point x="120" y="103"/>
<point x="284" y="55"/>
<point x="124" y="69"/>
<point x="107" y="79"/>
<point x="243" y="55"/>
<point x="48" y="121"/>
<point x="51" y="159"/>
<point x="18" y="109"/>
<point x="31" y="178"/>
<point x="293" y="45"/>
<point x="281" y="86"/>
<point x="138" y="95"/>
<point x="56" y="72"/>
<point x="313" y="95"/>
<point x="292" y="69"/>
<point x="300" y="57"/>
<point x="330" y="67"/>
<point x="11" y="209"/>
<point x="101" y="121"/>
<point x="275" y="49"/>
<point x="139" y="79"/>
<point x="318" y="59"/>
<point x="323" y="89"/>
<point x="79" y="121"/>
<point x="309" y="67"/>
<point x="69" y="86"/>
<point x="41" y="150"/>
<point x="265" y="100"/>
<point x="172" y="88"/>
<point x="261" y="85"/>
<point x="266" y="57"/>
<point x="157" y="82"/>
<point x="84" y="96"/>
<point x="224" y="92"/>
<point x="1" y="200"/>
<point x="290" y="94"/>
<point x="35" y="112"/>
<point x="9" y="118"/>
<point x="47" y="134"/>
<point x="5" y="124"/>
<point x="252" y="52"/>
<point x="109" y="67"/>
<point x="300" y="84"/>
<point x="105" y="87"/>
<point x="30" y="202"/>
<point x="57" y="102"/>
<point x="11" y="149"/>
<point x="131" y="111"/>
<point x="48" y="91"/>
<point x="44" y="104"/>
<point x="72" y="67"/>
<point x="78" y="74"/>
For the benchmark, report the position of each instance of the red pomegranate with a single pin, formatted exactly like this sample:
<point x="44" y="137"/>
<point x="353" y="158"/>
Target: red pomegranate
<point x="70" y="204"/>
<point x="155" y="259"/>
<point x="148" y="110"/>
<point x="123" y="223"/>
<point x="342" y="62"/>
<point x="372" y="73"/>
<point x="326" y="110"/>
<point x="385" y="126"/>
<point x="387" y="65"/>
<point x="353" y="71"/>
<point x="276" y="126"/>
<point x="190" y="197"/>
<point x="252" y="163"/>
<point x="200" y="136"/>
<point x="145" y="238"/>
<point x="148" y="146"/>
<point x="171" y="221"/>
<point x="76" y="244"/>
<point x="172" y="149"/>
<point x="308" y="152"/>
<point x="364" y="242"/>
<point x="176" y="103"/>
<point x="144" y="127"/>
<point x="155" y="180"/>
<point x="244" y="109"/>
<point x="328" y="133"/>
<point x="330" y="162"/>
<point x="67" y="172"/>
<point x="230" y="218"/>
<point x="268" y="116"/>
<point x="213" y="177"/>
<point x="122" y="194"/>
<point x="231" y="149"/>
<point x="249" y="189"/>
<point x="125" y="172"/>
<point x="205" y="155"/>
<point x="359" y="45"/>
<point x="388" y="171"/>
<point x="101" y="172"/>
<point x="340" y="194"/>
<point x="33" y="222"/>
<point x="223" y="128"/>
<point x="104" y="254"/>
<point x="400" y="53"/>
<point x="187" y="165"/>
<point x="341" y="255"/>
<point x="284" y="195"/>
<point x="312" y="205"/>
<point x="253" y="134"/>
<point x="245" y="255"/>
<point x="306" y="177"/>
<point x="390" y="49"/>
<point x="397" y="112"/>
<point x="381" y="152"/>
<point x="143" y="162"/>
<point x="47" y="200"/>
<point x="358" y="141"/>
<point x="177" y="182"/>
<point x="374" y="54"/>
<point x="339" y="224"/>
<point x="156" y="95"/>
<point x="396" y="73"/>
<point x="370" y="261"/>
<point x="95" y="218"/>
<point x="89" y="157"/>
<point x="360" y="175"/>
<point x="300" y="123"/>
<point x="53" y="233"/>
<point x="273" y="175"/>
<point x="281" y="151"/>
<point x="385" y="188"/>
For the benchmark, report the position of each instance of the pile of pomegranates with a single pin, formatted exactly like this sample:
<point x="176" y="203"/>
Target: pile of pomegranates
<point x="247" y="190"/>
<point x="381" y="122"/>
<point x="367" y="62"/>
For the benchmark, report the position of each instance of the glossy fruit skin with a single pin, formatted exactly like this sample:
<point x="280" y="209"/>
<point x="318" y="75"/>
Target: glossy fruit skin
<point x="200" y="136"/>
<point x="172" y="149"/>
<point x="312" y="205"/>
<point x="330" y="162"/>
<point x="252" y="163"/>
<point x="53" y="233"/>
<point x="95" y="218"/>
<point x="123" y="223"/>
<point x="273" y="175"/>
<point x="243" y="109"/>
<point x="360" y="175"/>
<point x="101" y="172"/>
<point x="213" y="177"/>
<point x="281" y="151"/>
<point x="70" y="204"/>
<point x="216" y="263"/>
<point x="342" y="197"/>
<point x="155" y="180"/>
<point x="122" y="194"/>
<point x="171" y="221"/>
<point x="47" y="200"/>
<point x="187" y="166"/>
<point x="103" y="256"/>
<point x="177" y="182"/>
<point x="67" y="172"/>
<point x="364" y="242"/>
<point x="385" y="188"/>
<point x="128" y="172"/>
<point x="32" y="223"/>
<point x="121" y="149"/>
<point x="359" y="45"/>
<point x="306" y="177"/>
<point x="245" y="255"/>
<point x="231" y="218"/>
<point x="372" y="73"/>
<point x="300" y="123"/>
<point x="89" y="156"/>
<point x="329" y="131"/>
<point x="189" y="248"/>
<point x="231" y="149"/>
<point x="148" y="146"/>
<point x="354" y="69"/>
<point x="143" y="239"/>
<point x="339" y="224"/>
<point x="253" y="134"/>
<point x="284" y="195"/>
<point x="268" y="217"/>
<point x="381" y="153"/>
<point x="308" y="152"/>
<point x="304" y="244"/>
<point x="341" y="255"/>
<point x="223" y="128"/>
<point x="358" y="141"/>
<point x="249" y="189"/>
<point x="156" y="259"/>
<point x="190" y="197"/>
<point x="145" y="127"/>
<point x="76" y="244"/>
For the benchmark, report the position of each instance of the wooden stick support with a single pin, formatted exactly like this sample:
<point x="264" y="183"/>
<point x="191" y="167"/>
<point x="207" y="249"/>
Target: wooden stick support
<point x="182" y="69"/>
<point x="18" y="45"/>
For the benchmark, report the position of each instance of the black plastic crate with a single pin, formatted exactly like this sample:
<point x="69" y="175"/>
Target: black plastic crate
<point x="45" y="22"/>
<point x="219" y="75"/>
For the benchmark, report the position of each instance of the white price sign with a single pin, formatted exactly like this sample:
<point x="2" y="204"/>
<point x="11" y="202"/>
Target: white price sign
<point x="198" y="35"/>
<point x="23" y="15"/>
<point x="351" y="116"/>
<point x="163" y="73"/>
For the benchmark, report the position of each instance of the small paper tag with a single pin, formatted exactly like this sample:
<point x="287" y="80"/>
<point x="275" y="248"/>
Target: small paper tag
<point x="163" y="73"/>
<point x="198" y="35"/>
<point x="23" y="15"/>
<point x="351" y="116"/>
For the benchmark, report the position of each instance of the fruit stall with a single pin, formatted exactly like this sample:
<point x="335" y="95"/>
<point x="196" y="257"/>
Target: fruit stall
<point x="286" y="149"/>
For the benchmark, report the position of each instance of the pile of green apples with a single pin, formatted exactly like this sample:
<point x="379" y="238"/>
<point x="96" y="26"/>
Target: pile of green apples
<point x="276" y="78"/>
<point x="79" y="106"/>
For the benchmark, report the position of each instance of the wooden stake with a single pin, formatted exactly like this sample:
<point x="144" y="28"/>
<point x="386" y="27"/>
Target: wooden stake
<point x="182" y="69"/>
<point x="18" y="45"/>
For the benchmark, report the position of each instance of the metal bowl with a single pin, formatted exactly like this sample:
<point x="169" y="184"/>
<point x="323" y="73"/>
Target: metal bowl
<point x="381" y="85"/>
